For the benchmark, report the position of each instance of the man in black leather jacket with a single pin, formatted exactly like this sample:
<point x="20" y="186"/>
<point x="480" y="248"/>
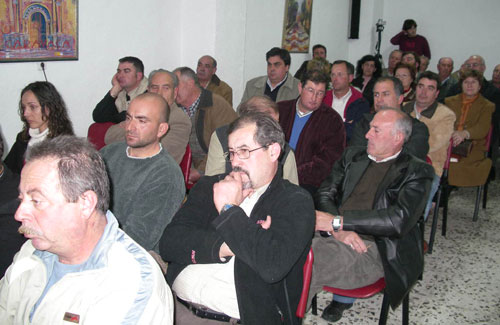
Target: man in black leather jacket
<point x="374" y="228"/>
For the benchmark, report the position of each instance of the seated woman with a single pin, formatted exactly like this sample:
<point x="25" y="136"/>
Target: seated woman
<point x="406" y="73"/>
<point x="44" y="115"/>
<point x="473" y="122"/>
<point x="368" y="70"/>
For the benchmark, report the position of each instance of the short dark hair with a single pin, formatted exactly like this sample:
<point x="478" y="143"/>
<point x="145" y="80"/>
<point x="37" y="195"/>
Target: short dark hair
<point x="136" y="62"/>
<point x="348" y="65"/>
<point x="431" y="76"/>
<point x="188" y="73"/>
<point x="415" y="55"/>
<point x="315" y="76"/>
<point x="367" y="58"/>
<point x="268" y="130"/>
<point x="396" y="83"/>
<point x="409" y="23"/>
<point x="282" y="53"/>
<point x="257" y="104"/>
<point x="319" y="46"/>
<point x="471" y="73"/>
<point x="80" y="167"/>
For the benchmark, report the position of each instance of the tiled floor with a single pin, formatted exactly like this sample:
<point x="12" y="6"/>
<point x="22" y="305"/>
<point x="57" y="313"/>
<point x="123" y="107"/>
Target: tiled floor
<point x="461" y="282"/>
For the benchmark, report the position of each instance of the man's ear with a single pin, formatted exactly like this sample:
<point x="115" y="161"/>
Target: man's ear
<point x="162" y="129"/>
<point x="351" y="78"/>
<point x="274" y="151"/>
<point x="299" y="86"/>
<point x="88" y="203"/>
<point x="400" y="99"/>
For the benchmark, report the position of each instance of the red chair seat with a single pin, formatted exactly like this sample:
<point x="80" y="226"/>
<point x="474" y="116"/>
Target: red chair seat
<point x="363" y="292"/>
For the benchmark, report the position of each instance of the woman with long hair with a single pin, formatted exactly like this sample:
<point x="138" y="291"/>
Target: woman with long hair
<point x="44" y="115"/>
<point x="368" y="70"/>
<point x="473" y="122"/>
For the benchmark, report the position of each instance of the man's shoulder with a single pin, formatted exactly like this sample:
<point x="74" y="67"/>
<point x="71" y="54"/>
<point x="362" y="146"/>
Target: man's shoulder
<point x="291" y="82"/>
<point x="113" y="149"/>
<point x="257" y="82"/>
<point x="443" y="111"/>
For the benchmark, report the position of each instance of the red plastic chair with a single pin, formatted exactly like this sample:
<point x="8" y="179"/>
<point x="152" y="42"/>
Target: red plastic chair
<point x="363" y="292"/>
<point x="186" y="165"/>
<point x="96" y="133"/>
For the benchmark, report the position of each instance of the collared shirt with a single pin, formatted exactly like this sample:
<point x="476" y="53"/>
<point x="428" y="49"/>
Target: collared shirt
<point x="339" y="104"/>
<point x="212" y="285"/>
<point x="191" y="110"/>
<point x="279" y="83"/>
<point x="299" y="112"/>
<point x="417" y="113"/>
<point x="385" y="159"/>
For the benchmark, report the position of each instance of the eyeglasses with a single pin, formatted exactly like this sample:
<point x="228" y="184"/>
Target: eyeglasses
<point x="241" y="153"/>
<point x="473" y="65"/>
<point x="315" y="93"/>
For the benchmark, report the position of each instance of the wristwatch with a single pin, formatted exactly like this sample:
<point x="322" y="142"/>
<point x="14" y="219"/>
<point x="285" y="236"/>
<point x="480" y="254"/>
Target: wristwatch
<point x="225" y="208"/>
<point x="336" y="223"/>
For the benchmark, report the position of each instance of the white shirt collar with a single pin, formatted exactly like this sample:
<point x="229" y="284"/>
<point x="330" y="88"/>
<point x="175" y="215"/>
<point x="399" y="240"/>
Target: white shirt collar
<point x="385" y="159"/>
<point x="299" y="112"/>
<point x="279" y="83"/>
<point x="132" y="157"/>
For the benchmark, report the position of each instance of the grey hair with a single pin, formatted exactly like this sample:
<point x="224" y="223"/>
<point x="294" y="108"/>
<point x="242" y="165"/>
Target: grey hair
<point x="171" y="74"/>
<point x="187" y="72"/>
<point x="398" y="85"/>
<point x="268" y="130"/>
<point x="403" y="124"/>
<point x="80" y="167"/>
<point x="257" y="104"/>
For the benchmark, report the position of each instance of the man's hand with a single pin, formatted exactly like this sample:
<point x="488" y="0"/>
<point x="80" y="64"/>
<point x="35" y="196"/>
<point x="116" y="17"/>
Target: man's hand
<point x="115" y="90"/>
<point x="324" y="221"/>
<point x="230" y="190"/>
<point x="267" y="223"/>
<point x="352" y="239"/>
<point x="459" y="136"/>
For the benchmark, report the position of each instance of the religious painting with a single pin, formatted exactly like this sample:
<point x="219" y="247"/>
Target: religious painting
<point x="297" y="25"/>
<point x="38" y="30"/>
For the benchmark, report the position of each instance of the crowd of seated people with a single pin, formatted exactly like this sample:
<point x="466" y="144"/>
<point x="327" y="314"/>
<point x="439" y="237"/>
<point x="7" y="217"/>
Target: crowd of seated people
<point x="298" y="156"/>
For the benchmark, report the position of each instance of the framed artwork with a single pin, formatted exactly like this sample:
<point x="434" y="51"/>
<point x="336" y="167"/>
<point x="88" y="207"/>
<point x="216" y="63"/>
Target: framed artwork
<point x="297" y="25"/>
<point x="41" y="30"/>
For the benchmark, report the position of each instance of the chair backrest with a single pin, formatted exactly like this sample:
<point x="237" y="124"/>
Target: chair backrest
<point x="301" y="308"/>
<point x="448" y="157"/>
<point x="96" y="133"/>
<point x="186" y="164"/>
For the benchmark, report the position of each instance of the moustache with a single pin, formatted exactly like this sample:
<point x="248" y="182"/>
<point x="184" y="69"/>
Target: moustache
<point x="248" y="184"/>
<point x="29" y="231"/>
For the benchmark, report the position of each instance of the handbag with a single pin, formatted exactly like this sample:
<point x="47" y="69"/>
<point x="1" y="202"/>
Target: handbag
<point x="463" y="149"/>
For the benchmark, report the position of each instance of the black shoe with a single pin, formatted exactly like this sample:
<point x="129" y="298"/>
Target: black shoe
<point x="333" y="312"/>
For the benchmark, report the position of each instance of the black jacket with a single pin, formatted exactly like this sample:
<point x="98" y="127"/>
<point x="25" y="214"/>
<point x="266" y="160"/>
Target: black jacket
<point x="269" y="263"/>
<point x="399" y="203"/>
<point x="417" y="145"/>
<point x="15" y="159"/>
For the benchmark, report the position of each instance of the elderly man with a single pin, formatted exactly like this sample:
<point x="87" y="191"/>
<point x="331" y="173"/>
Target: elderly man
<point x="127" y="83"/>
<point x="278" y="84"/>
<point x="205" y="71"/>
<point x="345" y="99"/>
<point x="495" y="78"/>
<point x="147" y="184"/>
<point x="237" y="246"/>
<point x="166" y="84"/>
<point x="207" y="111"/>
<point x="394" y="59"/>
<point x="314" y="131"/>
<point x="77" y="266"/>
<point x="319" y="51"/>
<point x="217" y="163"/>
<point x="445" y="67"/>
<point x="370" y="204"/>
<point x="388" y="92"/>
<point x="439" y="120"/>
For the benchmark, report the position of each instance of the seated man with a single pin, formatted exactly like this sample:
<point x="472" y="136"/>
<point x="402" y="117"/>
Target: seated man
<point x="371" y="203"/>
<point x="440" y="121"/>
<point x="147" y="185"/>
<point x="166" y="84"/>
<point x="128" y="82"/>
<point x="205" y="71"/>
<point x="394" y="59"/>
<point x="239" y="243"/>
<point x="445" y="67"/>
<point x="217" y="162"/>
<point x="77" y="265"/>
<point x="495" y="77"/>
<point x="344" y="98"/>
<point x="319" y="51"/>
<point x="278" y="84"/>
<point x="388" y="92"/>
<point x="207" y="112"/>
<point x="314" y="131"/>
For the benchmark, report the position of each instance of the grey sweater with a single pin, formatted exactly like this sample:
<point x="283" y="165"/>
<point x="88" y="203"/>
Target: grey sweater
<point x="145" y="192"/>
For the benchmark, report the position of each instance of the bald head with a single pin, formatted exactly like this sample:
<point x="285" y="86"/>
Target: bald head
<point x="475" y="62"/>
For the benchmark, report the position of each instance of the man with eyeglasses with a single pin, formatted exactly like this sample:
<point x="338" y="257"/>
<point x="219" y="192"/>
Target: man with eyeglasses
<point x="238" y="245"/>
<point x="315" y="132"/>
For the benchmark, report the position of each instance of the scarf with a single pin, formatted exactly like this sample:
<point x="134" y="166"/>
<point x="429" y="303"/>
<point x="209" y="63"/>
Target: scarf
<point x="466" y="105"/>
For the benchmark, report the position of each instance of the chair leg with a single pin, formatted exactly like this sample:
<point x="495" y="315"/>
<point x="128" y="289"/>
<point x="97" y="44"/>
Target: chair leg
<point x="314" y="305"/>
<point x="478" y="201"/>
<point x="446" y="193"/>
<point x="485" y="194"/>
<point x="406" y="309"/>
<point x="435" y="221"/>
<point x="384" y="311"/>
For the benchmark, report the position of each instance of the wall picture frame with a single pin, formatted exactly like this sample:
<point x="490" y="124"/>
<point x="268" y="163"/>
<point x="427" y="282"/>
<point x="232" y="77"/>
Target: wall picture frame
<point x="297" y="26"/>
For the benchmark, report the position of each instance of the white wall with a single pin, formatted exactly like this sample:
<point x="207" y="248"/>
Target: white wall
<point x="168" y="34"/>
